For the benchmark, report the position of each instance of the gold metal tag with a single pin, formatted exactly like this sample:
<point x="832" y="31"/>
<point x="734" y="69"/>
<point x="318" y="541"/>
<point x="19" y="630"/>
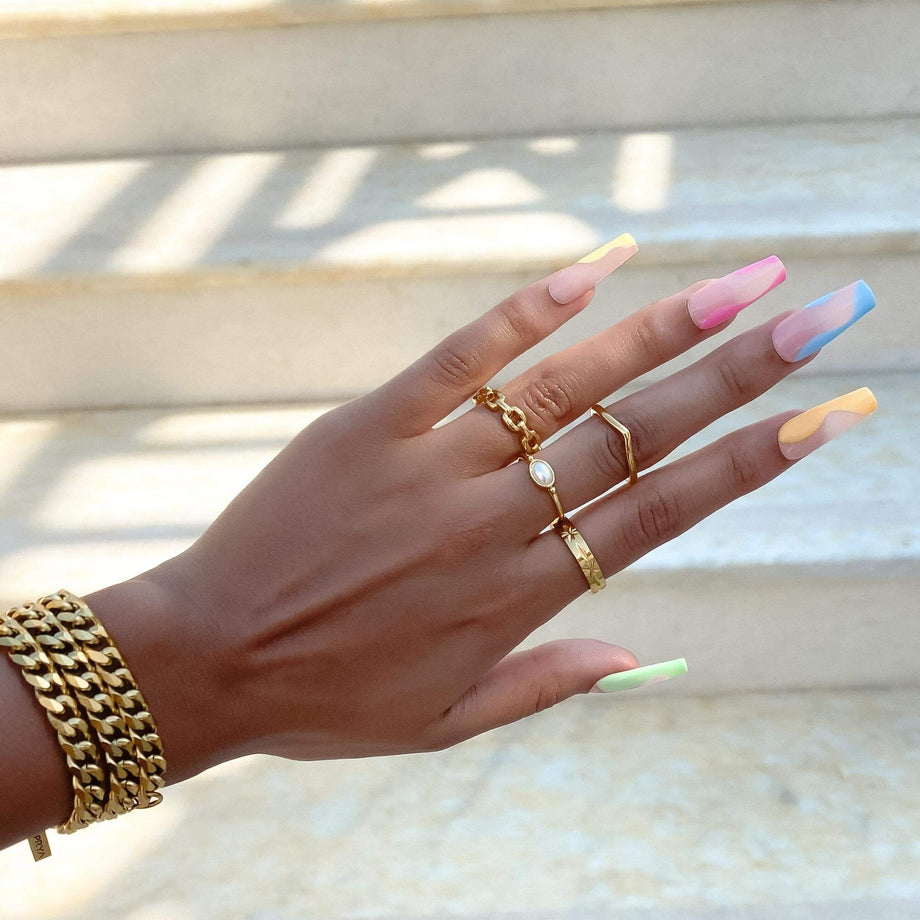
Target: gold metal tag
<point x="41" y="849"/>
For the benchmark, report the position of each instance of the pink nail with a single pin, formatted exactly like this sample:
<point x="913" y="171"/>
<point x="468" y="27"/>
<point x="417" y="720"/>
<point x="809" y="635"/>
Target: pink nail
<point x="726" y="297"/>
<point x="571" y="282"/>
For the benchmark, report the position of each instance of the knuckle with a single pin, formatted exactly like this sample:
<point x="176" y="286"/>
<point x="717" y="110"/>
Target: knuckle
<point x="743" y="470"/>
<point x="611" y="453"/>
<point x="550" y="397"/>
<point x="611" y="456"/>
<point x="517" y="314"/>
<point x="458" y="368"/>
<point x="646" y="437"/>
<point x="736" y="381"/>
<point x="648" y="336"/>
<point x="659" y="518"/>
<point x="548" y="695"/>
<point x="338" y="428"/>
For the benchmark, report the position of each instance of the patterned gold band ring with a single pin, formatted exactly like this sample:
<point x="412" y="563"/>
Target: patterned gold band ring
<point x="583" y="555"/>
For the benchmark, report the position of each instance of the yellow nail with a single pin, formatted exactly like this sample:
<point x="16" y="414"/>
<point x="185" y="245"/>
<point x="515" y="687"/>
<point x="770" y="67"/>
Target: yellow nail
<point x="574" y="280"/>
<point x="820" y="424"/>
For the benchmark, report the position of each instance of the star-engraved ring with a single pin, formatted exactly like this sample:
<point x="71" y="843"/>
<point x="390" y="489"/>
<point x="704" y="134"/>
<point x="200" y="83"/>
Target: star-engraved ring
<point x="582" y="553"/>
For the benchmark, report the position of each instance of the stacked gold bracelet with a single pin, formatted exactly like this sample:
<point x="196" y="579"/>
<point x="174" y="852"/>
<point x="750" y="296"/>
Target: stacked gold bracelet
<point x="109" y="738"/>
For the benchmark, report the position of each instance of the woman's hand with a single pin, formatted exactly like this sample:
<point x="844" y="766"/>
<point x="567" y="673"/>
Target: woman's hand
<point x="364" y="593"/>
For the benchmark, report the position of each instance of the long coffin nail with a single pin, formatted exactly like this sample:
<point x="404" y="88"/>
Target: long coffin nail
<point x="814" y="427"/>
<point x="811" y="328"/>
<point x="636" y="677"/>
<point x="571" y="282"/>
<point x="726" y="297"/>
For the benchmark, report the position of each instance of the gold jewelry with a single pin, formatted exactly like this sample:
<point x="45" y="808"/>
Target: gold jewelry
<point x="545" y="477"/>
<point x="110" y="741"/>
<point x="74" y="735"/>
<point x="582" y="553"/>
<point x="73" y="612"/>
<point x="99" y="709"/>
<point x="513" y="417"/>
<point x="604" y="415"/>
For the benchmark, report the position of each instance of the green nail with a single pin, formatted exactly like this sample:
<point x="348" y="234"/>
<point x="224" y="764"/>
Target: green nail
<point x="636" y="677"/>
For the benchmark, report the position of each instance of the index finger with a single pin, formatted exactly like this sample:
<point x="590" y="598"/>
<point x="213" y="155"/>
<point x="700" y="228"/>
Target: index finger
<point x="441" y="380"/>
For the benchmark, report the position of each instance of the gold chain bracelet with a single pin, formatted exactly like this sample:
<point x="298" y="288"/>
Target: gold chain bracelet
<point x="99" y="709"/>
<point x="72" y="612"/>
<point x="109" y="738"/>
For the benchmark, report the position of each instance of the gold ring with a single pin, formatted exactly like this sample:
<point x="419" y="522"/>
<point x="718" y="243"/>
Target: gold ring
<point x="582" y="553"/>
<point x="545" y="477"/>
<point x="603" y="414"/>
<point x="513" y="418"/>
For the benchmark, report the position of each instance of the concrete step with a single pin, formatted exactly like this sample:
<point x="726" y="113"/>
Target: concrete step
<point x="768" y="806"/>
<point x="316" y="274"/>
<point x="811" y="581"/>
<point x="114" y="77"/>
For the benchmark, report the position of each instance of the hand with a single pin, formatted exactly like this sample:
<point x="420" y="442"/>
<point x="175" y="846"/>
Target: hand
<point x="363" y="595"/>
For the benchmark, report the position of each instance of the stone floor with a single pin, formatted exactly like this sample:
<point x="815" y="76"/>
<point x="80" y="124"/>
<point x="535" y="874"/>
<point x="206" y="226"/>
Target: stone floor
<point x="638" y="807"/>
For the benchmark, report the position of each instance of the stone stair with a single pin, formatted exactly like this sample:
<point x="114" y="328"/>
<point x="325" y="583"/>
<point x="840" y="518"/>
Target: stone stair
<point x="220" y="217"/>
<point x="94" y="78"/>
<point x="275" y="275"/>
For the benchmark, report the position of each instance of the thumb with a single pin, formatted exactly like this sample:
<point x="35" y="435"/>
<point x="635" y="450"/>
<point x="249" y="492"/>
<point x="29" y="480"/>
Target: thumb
<point x="527" y="682"/>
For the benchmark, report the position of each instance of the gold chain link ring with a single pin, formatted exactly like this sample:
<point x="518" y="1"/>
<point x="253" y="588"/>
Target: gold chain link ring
<point x="513" y="417"/>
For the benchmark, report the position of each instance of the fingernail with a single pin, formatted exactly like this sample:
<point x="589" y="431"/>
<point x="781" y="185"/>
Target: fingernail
<point x="636" y="677"/>
<point x="811" y="328"/>
<point x="814" y="427"/>
<point x="571" y="282"/>
<point x="726" y="297"/>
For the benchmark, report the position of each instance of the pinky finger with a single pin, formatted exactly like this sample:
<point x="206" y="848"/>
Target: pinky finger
<point x="669" y="501"/>
<point x="529" y="681"/>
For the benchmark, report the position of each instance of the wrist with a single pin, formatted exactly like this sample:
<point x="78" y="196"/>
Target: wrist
<point x="181" y="675"/>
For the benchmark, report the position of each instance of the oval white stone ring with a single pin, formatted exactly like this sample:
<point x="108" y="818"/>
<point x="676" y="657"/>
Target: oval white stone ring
<point x="544" y="476"/>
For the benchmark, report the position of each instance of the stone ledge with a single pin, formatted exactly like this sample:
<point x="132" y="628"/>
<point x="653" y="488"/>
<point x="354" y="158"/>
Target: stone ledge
<point x="42" y="19"/>
<point x="524" y="204"/>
